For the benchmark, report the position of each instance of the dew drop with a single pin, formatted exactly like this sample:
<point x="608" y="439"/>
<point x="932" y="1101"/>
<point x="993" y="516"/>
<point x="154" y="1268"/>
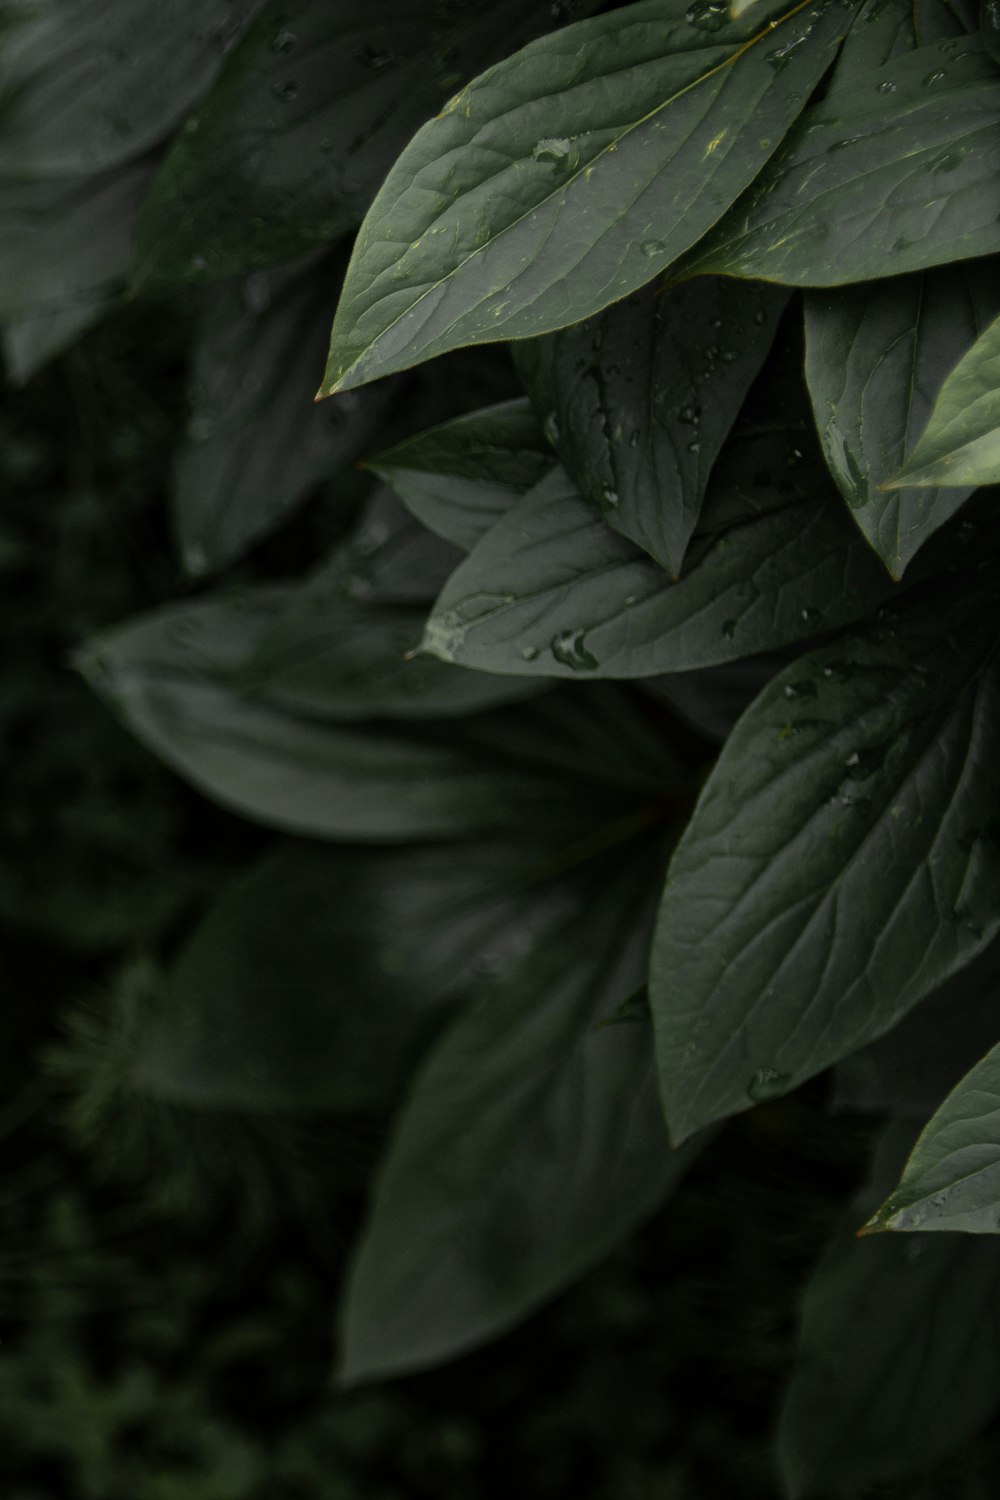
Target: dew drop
<point x="570" y="650"/>
<point x="766" y="1083"/>
<point x="689" y="415"/>
<point x="729" y="629"/>
<point x="550" y="427"/>
<point x="708" y="15"/>
<point x="288" y="91"/>
<point x="650" y="248"/>
<point x="529" y="653"/>
<point x="554" y="149"/>
<point x="284" y="41"/>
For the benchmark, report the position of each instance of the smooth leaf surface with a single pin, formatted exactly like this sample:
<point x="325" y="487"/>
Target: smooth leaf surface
<point x="461" y="477"/>
<point x="952" y="1178"/>
<point x="570" y="175"/>
<point x="961" y="443"/>
<point x="889" y="28"/>
<point x="898" y="1362"/>
<point x="840" y="863"/>
<point x="288" y="150"/>
<point x="169" y="677"/>
<point x="87" y="84"/>
<point x="640" y="400"/>
<point x="530" y="1145"/>
<point x="316" y="980"/>
<point x="552" y="591"/>
<point x="897" y="171"/>
<point x="876" y="357"/>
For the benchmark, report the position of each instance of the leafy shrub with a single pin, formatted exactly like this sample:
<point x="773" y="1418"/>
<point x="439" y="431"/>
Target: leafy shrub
<point x="628" y="718"/>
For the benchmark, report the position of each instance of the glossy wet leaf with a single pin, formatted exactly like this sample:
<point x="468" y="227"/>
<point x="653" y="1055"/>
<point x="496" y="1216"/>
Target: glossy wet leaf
<point x="88" y="84"/>
<point x="840" y="863"/>
<point x="875" y="360"/>
<point x="890" y="28"/>
<point x="640" y="400"/>
<point x="961" y="443"/>
<point x="256" y="442"/>
<point x="461" y="477"/>
<point x="530" y="1145"/>
<point x="570" y="175"/>
<point x="897" y="171"/>
<point x="552" y="591"/>
<point x="287" y="151"/>
<point x="952" y="1177"/>
<point x="172" y="677"/>
<point x="898" y="1360"/>
<point x="317" y="979"/>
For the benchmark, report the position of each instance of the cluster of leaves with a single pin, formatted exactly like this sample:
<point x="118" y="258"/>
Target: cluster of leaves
<point x="626" y="775"/>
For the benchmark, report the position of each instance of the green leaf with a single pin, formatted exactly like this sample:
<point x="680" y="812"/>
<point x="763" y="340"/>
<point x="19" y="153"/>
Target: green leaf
<point x="875" y="359"/>
<point x="551" y="591"/>
<point x="89" y="84"/>
<point x="462" y="476"/>
<point x="312" y="110"/>
<point x="961" y="443"/>
<point x="256" y="442"/>
<point x="640" y="400"/>
<point x="840" y="863"/>
<point x="897" y="171"/>
<point x="65" y="243"/>
<point x="910" y="1070"/>
<point x="952" y="1178"/>
<point x="888" y="28"/>
<point x="530" y="1145"/>
<point x="898" y="1363"/>
<point x="170" y="677"/>
<point x="317" y="979"/>
<point x="989" y="25"/>
<point x="571" y="174"/>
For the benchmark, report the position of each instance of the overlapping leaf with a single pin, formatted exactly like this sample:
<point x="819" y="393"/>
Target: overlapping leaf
<point x="875" y="359"/>
<point x="640" y="400"/>
<point x="898" y="1361"/>
<point x="256" y="443"/>
<point x="898" y="170"/>
<point x="287" y="151"/>
<point x="961" y="443"/>
<point x="552" y="591"/>
<point x="840" y="864"/>
<point x="531" y="1142"/>
<point x="571" y="174"/>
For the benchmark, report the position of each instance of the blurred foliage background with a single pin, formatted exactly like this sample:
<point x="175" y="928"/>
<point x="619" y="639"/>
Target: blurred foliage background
<point x="167" y="1278"/>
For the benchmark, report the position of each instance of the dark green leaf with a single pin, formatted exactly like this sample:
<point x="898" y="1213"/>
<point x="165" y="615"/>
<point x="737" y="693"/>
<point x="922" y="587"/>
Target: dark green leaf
<point x="170" y="677"/>
<point x="952" y="1178"/>
<point x="888" y="28"/>
<point x="875" y="360"/>
<point x="840" y="863"/>
<point x="571" y="174"/>
<point x="551" y="591"/>
<point x="640" y="400"/>
<point x="961" y="443"/>
<point x="317" y="979"/>
<point x="896" y="171"/>
<point x="313" y="108"/>
<point x="65" y="244"/>
<point x="88" y="84"/>
<point x="898" y="1362"/>
<point x="989" y="25"/>
<point x="909" y="1071"/>
<point x="530" y="1145"/>
<point x="461" y="477"/>
<point x="256" y="441"/>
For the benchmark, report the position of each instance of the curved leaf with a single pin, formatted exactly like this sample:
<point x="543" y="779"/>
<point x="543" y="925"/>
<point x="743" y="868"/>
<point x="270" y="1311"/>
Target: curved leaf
<point x="840" y="863"/>
<point x="896" y="171"/>
<point x="459" y="478"/>
<point x="952" y="1178"/>
<point x="571" y="174"/>
<point x="875" y="359"/>
<point x="640" y="400"/>
<point x="530" y="1145"/>
<point x="553" y="592"/>
<point x="961" y="443"/>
